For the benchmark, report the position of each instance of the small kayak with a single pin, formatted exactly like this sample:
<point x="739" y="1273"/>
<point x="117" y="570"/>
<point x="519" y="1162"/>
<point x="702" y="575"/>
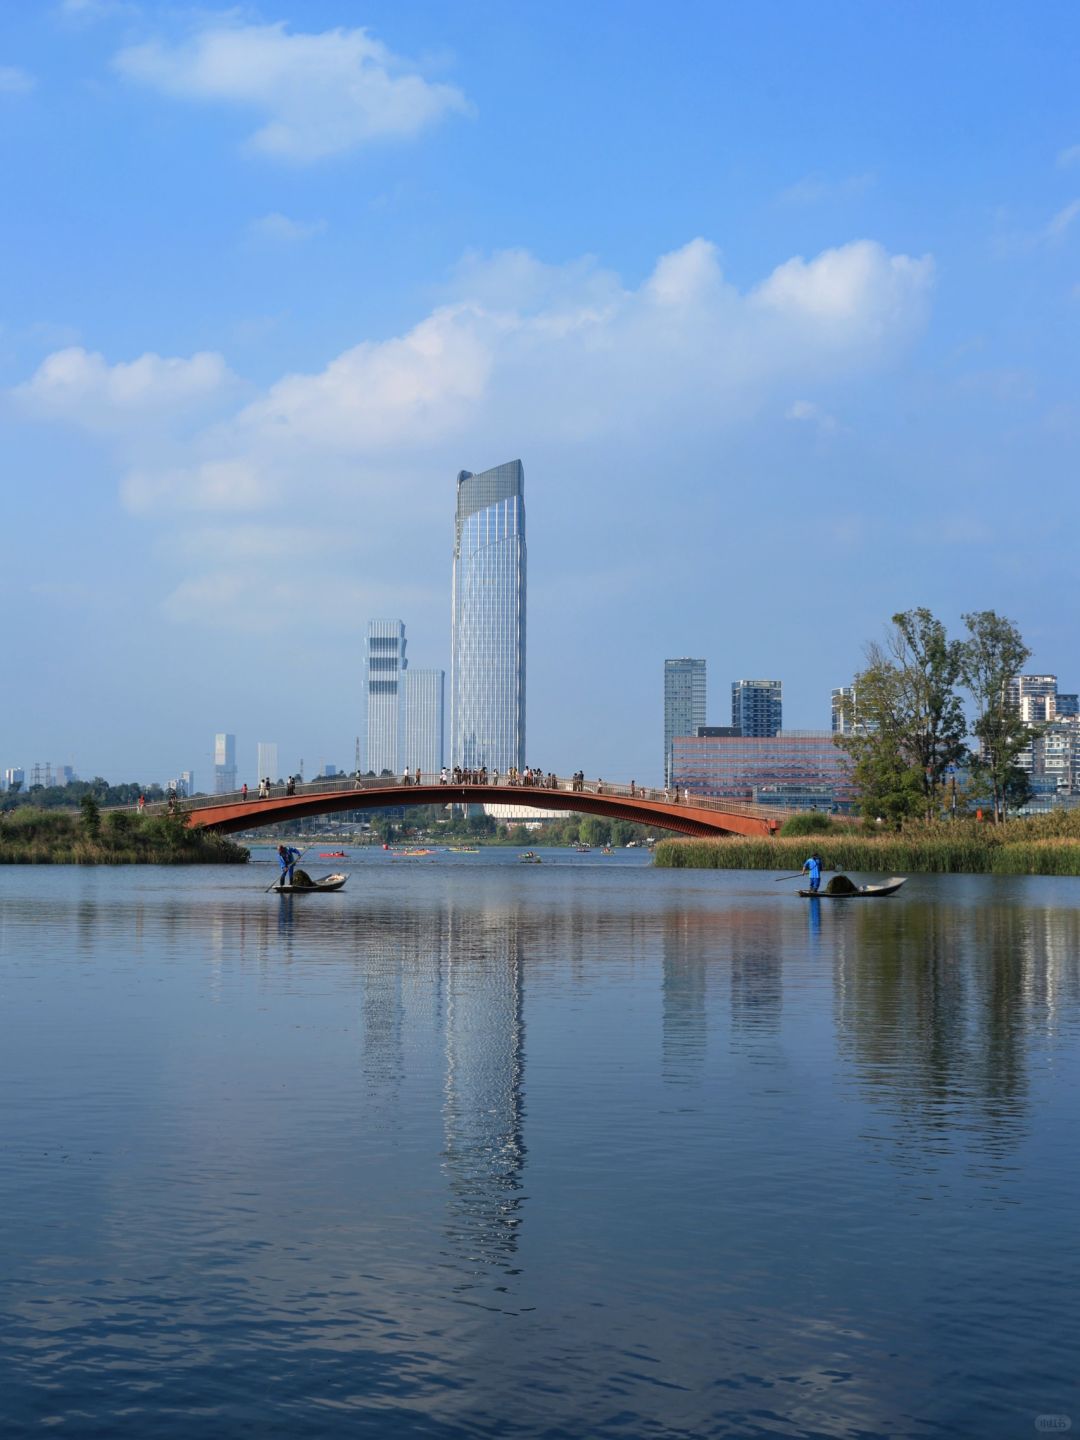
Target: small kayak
<point x="848" y="891"/>
<point x="329" y="882"/>
<point x="332" y="855"/>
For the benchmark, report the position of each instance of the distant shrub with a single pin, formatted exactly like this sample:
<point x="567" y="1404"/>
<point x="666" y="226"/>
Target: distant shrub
<point x="810" y="822"/>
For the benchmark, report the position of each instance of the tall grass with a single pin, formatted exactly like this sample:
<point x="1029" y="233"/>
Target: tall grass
<point x="55" y="837"/>
<point x="965" y="853"/>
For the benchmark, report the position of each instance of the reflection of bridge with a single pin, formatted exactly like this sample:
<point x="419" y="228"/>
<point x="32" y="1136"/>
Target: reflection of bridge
<point x="688" y="814"/>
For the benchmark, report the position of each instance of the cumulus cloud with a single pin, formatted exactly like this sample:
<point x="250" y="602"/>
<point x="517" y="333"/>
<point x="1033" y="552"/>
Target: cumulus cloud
<point x="14" y="81"/>
<point x="607" y="381"/>
<point x="81" y="387"/>
<point x="320" y="94"/>
<point x="580" y="358"/>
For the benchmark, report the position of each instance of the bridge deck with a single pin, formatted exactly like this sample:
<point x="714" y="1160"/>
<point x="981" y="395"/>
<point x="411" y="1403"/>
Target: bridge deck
<point x="686" y="814"/>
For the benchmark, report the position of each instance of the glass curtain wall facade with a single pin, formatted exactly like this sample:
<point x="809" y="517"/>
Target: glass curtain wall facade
<point x="384" y="664"/>
<point x="422" y="747"/>
<point x="268" y="760"/>
<point x="487" y="680"/>
<point x="684" y="703"/>
<point x="757" y="706"/>
<point x="802" y="769"/>
<point x="224" y="764"/>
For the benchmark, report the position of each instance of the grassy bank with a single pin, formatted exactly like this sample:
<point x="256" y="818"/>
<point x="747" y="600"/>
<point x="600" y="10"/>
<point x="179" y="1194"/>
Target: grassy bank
<point x="55" y="837"/>
<point x="990" y="852"/>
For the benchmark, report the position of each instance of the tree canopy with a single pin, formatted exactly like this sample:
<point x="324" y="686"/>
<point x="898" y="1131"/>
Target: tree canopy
<point x="905" y="726"/>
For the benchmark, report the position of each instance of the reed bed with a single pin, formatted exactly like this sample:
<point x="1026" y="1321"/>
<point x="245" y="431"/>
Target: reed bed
<point x="985" y="853"/>
<point x="50" y="837"/>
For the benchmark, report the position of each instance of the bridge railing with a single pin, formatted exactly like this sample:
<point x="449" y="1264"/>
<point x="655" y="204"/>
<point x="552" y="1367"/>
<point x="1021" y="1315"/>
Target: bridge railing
<point x="563" y="784"/>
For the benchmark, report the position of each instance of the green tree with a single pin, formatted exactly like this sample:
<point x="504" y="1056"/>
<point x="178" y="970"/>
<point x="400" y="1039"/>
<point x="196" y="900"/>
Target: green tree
<point x="991" y="656"/>
<point x="91" y="815"/>
<point x="910" y="721"/>
<point x="931" y="667"/>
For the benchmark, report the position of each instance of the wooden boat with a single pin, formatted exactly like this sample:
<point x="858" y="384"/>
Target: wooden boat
<point x="328" y="882"/>
<point x="332" y="855"/>
<point x="856" y="892"/>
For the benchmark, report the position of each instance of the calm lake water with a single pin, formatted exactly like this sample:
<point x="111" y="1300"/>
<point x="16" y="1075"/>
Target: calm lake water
<point x="580" y="1149"/>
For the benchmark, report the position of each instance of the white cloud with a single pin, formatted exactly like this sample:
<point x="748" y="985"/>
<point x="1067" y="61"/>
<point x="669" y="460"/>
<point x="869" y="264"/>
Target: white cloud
<point x="521" y="358"/>
<point x="580" y="358"/>
<point x="211" y="485"/>
<point x="81" y="387"/>
<point x="858" y="288"/>
<point x="14" y="81"/>
<point x="321" y="94"/>
<point x="1056" y="228"/>
<point x="1069" y="156"/>
<point x="280" y="228"/>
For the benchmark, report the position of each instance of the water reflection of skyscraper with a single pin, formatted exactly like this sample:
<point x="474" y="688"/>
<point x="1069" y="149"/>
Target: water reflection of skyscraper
<point x="744" y="945"/>
<point x="483" y="1112"/>
<point x="687" y="950"/>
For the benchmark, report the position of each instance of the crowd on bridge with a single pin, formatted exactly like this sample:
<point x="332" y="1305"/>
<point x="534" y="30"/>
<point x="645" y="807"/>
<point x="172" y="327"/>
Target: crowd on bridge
<point x="467" y="775"/>
<point x="528" y="778"/>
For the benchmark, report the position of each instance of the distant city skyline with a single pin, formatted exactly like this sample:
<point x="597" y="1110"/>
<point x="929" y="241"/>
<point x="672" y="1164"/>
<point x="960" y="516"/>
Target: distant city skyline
<point x="770" y="360"/>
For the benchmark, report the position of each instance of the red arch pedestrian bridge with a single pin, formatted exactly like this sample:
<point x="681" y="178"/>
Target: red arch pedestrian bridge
<point x="667" y="810"/>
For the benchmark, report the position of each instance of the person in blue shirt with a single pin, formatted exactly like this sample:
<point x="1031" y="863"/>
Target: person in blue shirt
<point x="287" y="858"/>
<point x="814" y="867"/>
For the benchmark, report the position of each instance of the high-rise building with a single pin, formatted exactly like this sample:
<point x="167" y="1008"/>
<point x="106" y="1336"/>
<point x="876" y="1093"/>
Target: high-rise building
<point x="487" y="680"/>
<point x="757" y="707"/>
<point x="384" y="664"/>
<point x="422" y="720"/>
<point x="684" y="703"/>
<point x="844" y="712"/>
<point x="268" y="760"/>
<point x="224" y="764"/>
<point x="14" y="777"/>
<point x="1067" y="706"/>
<point x="1034" y="697"/>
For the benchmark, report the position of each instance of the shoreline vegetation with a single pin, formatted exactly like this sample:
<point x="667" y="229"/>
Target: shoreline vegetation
<point x="1036" y="845"/>
<point x="29" y="836"/>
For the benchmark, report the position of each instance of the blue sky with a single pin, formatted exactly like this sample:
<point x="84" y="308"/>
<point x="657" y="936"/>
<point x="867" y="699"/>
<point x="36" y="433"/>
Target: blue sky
<point x="778" y="304"/>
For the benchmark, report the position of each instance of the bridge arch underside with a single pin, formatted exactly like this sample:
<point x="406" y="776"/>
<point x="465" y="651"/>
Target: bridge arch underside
<point x="683" y="819"/>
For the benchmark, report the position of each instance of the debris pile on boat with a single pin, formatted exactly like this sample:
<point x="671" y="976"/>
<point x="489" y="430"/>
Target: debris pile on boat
<point x="841" y="885"/>
<point x="301" y="877"/>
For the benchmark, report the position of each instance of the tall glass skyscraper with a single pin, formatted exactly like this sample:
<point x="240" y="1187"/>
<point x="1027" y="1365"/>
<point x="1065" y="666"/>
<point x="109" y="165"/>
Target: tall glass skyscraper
<point x="422" y="720"/>
<point x="384" y="663"/>
<point x="487" y="683"/>
<point x="684" y="702"/>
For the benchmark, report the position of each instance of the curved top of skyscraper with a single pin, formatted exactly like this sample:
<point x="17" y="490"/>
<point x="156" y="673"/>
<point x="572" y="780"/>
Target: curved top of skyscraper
<point x="488" y="643"/>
